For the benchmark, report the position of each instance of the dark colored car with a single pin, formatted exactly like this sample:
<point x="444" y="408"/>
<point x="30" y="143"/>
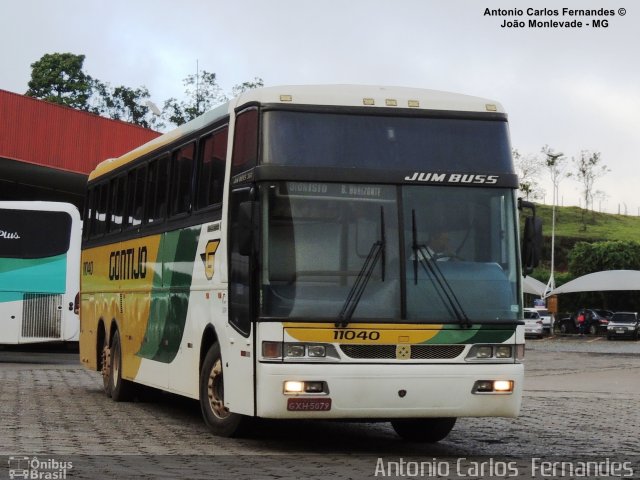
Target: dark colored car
<point x="624" y="324"/>
<point x="596" y="321"/>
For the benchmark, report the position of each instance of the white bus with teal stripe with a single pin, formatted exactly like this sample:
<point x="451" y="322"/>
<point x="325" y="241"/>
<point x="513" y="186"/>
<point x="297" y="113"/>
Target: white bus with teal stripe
<point x="39" y="272"/>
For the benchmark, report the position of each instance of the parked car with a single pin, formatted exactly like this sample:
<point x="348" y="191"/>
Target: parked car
<point x="596" y="321"/>
<point x="547" y="319"/>
<point x="624" y="324"/>
<point x="532" y="323"/>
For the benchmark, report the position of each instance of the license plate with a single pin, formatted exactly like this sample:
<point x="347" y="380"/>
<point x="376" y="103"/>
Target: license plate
<point x="309" y="404"/>
<point x="620" y="330"/>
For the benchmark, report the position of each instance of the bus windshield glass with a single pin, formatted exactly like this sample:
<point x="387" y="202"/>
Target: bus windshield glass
<point x="385" y="142"/>
<point x="440" y="255"/>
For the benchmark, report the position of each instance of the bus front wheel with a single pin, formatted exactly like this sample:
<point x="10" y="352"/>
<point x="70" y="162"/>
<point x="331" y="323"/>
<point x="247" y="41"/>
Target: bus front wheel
<point x="428" y="430"/>
<point x="218" y="418"/>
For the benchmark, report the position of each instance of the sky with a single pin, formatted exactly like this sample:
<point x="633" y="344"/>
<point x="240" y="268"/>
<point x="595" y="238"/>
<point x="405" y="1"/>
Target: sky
<point x="572" y="89"/>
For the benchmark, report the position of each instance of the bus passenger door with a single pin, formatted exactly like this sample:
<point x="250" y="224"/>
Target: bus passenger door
<point x="239" y="357"/>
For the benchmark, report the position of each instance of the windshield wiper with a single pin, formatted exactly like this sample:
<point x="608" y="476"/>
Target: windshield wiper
<point x="377" y="252"/>
<point x="422" y="255"/>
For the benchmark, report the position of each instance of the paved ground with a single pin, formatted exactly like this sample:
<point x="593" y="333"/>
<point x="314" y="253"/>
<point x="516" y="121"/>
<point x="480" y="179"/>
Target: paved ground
<point x="581" y="402"/>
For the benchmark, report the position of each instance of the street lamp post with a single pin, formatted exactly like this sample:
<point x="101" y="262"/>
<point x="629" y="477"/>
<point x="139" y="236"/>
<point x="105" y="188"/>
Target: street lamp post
<point x="552" y="162"/>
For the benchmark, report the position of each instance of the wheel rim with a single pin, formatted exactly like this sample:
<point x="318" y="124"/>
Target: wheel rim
<point x="115" y="369"/>
<point x="215" y="391"/>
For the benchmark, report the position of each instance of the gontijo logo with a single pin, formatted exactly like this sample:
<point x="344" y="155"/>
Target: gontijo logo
<point x="128" y="264"/>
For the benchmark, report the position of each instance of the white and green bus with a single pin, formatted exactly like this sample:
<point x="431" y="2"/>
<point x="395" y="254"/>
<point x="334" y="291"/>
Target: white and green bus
<point x="39" y="272"/>
<point x="273" y="259"/>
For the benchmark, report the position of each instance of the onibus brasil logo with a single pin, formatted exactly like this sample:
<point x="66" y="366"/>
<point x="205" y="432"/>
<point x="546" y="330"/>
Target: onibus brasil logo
<point x="38" y="469"/>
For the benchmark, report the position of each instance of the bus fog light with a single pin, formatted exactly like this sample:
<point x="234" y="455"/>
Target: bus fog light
<point x="293" y="386"/>
<point x="483" y="386"/>
<point x="503" y="351"/>
<point x="314" y="387"/>
<point x="316" y="351"/>
<point x="493" y="386"/>
<point x="294" y="350"/>
<point x="503" y="386"/>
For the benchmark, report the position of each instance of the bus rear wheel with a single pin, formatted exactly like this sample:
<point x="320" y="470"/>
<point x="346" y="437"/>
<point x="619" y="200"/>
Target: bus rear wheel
<point x="106" y="368"/>
<point x="218" y="418"/>
<point x="121" y="390"/>
<point x="429" y="430"/>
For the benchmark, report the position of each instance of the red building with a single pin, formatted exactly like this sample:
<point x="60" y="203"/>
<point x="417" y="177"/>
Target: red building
<point x="47" y="150"/>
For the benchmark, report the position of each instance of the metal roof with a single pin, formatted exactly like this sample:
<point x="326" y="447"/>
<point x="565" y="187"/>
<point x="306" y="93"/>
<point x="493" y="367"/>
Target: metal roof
<point x="46" y="134"/>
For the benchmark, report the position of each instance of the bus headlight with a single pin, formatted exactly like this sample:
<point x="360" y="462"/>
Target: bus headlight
<point x="317" y="351"/>
<point x="500" y="352"/>
<point x="504" y="351"/>
<point x="298" y="351"/>
<point x="295" y="350"/>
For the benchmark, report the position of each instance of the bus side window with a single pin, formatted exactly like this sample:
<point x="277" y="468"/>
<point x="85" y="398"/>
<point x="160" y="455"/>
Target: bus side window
<point x="88" y="212"/>
<point x="181" y="179"/>
<point x="117" y="203"/>
<point x="100" y="204"/>
<point x="245" y="141"/>
<point x="157" y="189"/>
<point x="213" y="152"/>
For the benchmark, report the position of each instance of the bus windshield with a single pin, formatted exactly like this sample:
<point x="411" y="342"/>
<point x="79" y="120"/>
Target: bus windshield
<point x="413" y="253"/>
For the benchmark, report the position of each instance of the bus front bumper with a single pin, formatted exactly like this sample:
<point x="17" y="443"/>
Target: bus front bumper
<point x="387" y="391"/>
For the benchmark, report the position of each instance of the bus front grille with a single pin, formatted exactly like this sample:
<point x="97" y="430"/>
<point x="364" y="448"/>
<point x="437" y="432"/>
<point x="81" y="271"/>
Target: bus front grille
<point x="415" y="352"/>
<point x="41" y="315"/>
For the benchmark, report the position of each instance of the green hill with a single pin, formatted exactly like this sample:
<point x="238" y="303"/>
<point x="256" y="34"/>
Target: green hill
<point x="599" y="226"/>
<point x="569" y="231"/>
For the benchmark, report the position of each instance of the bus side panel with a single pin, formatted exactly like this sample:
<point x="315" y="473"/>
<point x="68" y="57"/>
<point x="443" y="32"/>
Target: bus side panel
<point x="88" y="342"/>
<point x="207" y="299"/>
<point x="10" y="317"/>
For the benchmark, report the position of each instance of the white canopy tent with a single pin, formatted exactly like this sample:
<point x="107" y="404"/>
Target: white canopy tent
<point x="602" y="281"/>
<point x="533" y="286"/>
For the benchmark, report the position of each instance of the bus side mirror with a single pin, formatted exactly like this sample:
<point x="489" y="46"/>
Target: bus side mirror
<point x="531" y="239"/>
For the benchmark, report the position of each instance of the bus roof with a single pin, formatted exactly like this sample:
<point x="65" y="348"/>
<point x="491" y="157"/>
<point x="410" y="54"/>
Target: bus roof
<point x="42" y="206"/>
<point x="368" y="95"/>
<point x="324" y="95"/>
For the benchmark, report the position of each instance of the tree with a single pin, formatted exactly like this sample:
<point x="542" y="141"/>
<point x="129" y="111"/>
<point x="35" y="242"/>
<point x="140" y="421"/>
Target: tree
<point x="244" y="86"/>
<point x="203" y="93"/>
<point x="59" y="78"/>
<point x="587" y="258"/>
<point x="589" y="168"/>
<point x="126" y="104"/>
<point x="528" y="170"/>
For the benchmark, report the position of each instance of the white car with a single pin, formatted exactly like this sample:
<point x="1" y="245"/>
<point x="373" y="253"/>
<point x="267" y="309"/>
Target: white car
<point x="547" y="319"/>
<point x="533" y="323"/>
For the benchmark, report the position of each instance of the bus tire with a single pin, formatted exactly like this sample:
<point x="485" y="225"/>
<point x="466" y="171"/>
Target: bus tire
<point x="105" y="367"/>
<point x="218" y="418"/>
<point x="428" y="430"/>
<point x="121" y="390"/>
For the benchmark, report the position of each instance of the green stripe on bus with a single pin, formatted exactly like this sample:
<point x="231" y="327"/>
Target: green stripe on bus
<point x="480" y="334"/>
<point x="170" y="295"/>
